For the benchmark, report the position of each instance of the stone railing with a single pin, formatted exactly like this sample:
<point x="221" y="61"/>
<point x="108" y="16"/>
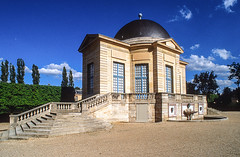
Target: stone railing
<point x="181" y="98"/>
<point x="55" y="107"/>
<point x="133" y="97"/>
<point x="94" y="103"/>
<point x="30" y="114"/>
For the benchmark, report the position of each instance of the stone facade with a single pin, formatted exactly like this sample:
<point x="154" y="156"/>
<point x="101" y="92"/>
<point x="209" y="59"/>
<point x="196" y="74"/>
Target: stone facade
<point x="103" y="51"/>
<point x="142" y="77"/>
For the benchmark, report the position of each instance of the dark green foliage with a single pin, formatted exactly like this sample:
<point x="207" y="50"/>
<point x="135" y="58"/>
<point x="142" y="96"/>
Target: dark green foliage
<point x="236" y="93"/>
<point x="16" y="98"/>
<point x="64" y="78"/>
<point x="212" y="98"/>
<point x="71" y="84"/>
<point x="35" y="75"/>
<point x="77" y="88"/>
<point x="4" y="70"/>
<point x="206" y="83"/>
<point x="20" y="71"/>
<point x="235" y="72"/>
<point x="191" y="88"/>
<point x="12" y="74"/>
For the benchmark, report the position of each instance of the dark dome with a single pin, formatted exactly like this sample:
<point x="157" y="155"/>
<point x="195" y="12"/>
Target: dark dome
<point x="141" y="28"/>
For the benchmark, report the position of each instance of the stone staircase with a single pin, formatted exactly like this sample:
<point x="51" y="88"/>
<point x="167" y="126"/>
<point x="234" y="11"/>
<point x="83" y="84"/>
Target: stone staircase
<point x="55" y="119"/>
<point x="61" y="124"/>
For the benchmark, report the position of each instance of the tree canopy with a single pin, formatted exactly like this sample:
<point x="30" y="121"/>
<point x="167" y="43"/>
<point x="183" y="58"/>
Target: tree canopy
<point x="206" y="83"/>
<point x="20" y="70"/>
<point x="35" y="75"/>
<point x="71" y="84"/>
<point x="4" y="70"/>
<point x="64" y="78"/>
<point x="12" y="74"/>
<point x="235" y="72"/>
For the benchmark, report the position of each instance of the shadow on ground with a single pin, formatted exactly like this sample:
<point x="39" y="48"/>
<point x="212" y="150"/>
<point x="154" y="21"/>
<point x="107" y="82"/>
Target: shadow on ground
<point x="4" y="118"/>
<point x="221" y="107"/>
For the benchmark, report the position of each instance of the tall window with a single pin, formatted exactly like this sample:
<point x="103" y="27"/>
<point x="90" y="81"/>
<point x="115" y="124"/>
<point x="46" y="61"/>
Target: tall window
<point x="141" y="78"/>
<point x="169" y="79"/>
<point x="90" y="77"/>
<point x="118" y="77"/>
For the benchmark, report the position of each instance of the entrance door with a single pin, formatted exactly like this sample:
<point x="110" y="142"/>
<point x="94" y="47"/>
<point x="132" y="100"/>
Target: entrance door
<point x="141" y="78"/>
<point x="142" y="113"/>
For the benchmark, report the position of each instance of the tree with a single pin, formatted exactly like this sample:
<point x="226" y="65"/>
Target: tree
<point x="191" y="88"/>
<point x="35" y="75"/>
<point x="206" y="83"/>
<point x="71" y="84"/>
<point x="64" y="78"/>
<point x="235" y="72"/>
<point x="12" y="74"/>
<point x="4" y="69"/>
<point x="20" y="71"/>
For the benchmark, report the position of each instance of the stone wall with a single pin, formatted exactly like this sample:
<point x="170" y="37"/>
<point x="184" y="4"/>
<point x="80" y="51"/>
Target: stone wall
<point x="124" y="107"/>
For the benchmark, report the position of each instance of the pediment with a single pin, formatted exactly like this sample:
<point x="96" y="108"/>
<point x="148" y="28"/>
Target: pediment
<point x="87" y="40"/>
<point x="171" y="43"/>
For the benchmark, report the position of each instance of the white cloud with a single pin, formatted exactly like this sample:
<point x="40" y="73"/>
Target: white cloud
<point x="56" y="69"/>
<point x="224" y="83"/>
<point x="27" y="70"/>
<point x="194" y="47"/>
<point x="1" y="59"/>
<point x="176" y="18"/>
<point x="50" y="71"/>
<point x="227" y="4"/>
<point x="186" y="13"/>
<point x="200" y="63"/>
<point x="223" y="53"/>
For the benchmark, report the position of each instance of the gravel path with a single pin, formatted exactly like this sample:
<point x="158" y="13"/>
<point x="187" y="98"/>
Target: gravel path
<point x="221" y="138"/>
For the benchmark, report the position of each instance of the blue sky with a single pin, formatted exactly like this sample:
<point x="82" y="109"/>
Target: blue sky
<point x="48" y="33"/>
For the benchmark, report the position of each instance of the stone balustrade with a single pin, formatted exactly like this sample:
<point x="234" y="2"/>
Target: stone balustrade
<point x="25" y="116"/>
<point x="159" y="103"/>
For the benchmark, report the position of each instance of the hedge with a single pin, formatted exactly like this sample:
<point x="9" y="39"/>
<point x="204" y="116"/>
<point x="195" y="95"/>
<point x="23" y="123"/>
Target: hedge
<point x="16" y="98"/>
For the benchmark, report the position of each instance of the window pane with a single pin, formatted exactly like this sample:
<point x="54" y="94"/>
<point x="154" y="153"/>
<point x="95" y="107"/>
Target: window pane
<point x="169" y="82"/>
<point x="141" y="78"/>
<point x="118" y="77"/>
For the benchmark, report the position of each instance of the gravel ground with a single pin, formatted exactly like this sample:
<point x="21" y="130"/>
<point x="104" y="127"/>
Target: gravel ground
<point x="218" y="138"/>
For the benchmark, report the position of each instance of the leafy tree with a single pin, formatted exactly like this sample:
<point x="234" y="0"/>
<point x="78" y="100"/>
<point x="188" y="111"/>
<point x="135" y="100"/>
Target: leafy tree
<point x="20" y="71"/>
<point x="227" y="95"/>
<point x="64" y="78"/>
<point x="71" y="84"/>
<point x="77" y="88"/>
<point x="4" y="69"/>
<point x="12" y="74"/>
<point x="235" y="72"/>
<point x="191" y="88"/>
<point x="35" y="75"/>
<point x="206" y="83"/>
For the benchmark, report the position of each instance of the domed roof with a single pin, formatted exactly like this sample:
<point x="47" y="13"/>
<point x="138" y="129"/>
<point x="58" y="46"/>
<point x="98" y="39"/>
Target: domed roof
<point x="141" y="28"/>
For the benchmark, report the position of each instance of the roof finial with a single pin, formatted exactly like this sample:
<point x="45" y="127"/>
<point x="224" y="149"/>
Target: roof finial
<point x="140" y="16"/>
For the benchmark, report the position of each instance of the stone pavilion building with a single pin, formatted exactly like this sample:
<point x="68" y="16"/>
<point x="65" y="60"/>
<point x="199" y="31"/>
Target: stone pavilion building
<point x="141" y="68"/>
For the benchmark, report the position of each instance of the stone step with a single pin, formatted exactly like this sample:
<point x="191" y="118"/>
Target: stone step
<point x="45" y="124"/>
<point x="33" y="134"/>
<point x="4" y="135"/>
<point x="18" y="138"/>
<point x="45" y="131"/>
<point x="42" y="127"/>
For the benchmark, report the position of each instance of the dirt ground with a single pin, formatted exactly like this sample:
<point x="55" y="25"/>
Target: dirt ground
<point x="218" y="138"/>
